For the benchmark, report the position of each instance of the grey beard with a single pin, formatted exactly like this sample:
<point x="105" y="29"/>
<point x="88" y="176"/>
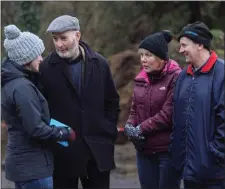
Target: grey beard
<point x="73" y="54"/>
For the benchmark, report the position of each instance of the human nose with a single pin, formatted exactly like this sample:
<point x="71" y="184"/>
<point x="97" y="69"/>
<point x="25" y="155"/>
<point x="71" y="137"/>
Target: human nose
<point x="58" y="44"/>
<point x="181" y="50"/>
<point x="40" y="58"/>
<point x="143" y="59"/>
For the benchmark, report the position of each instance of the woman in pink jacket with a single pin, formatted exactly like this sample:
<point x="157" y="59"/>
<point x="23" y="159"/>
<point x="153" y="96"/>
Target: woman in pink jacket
<point x="150" y="121"/>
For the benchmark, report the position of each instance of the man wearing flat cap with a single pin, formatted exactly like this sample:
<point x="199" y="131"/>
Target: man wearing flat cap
<point x="198" y="136"/>
<point x="78" y="85"/>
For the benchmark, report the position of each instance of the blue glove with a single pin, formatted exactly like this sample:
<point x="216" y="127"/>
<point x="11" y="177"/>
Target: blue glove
<point x="133" y="132"/>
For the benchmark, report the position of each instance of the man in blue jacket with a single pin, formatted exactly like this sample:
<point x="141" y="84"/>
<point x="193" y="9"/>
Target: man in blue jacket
<point x="198" y="137"/>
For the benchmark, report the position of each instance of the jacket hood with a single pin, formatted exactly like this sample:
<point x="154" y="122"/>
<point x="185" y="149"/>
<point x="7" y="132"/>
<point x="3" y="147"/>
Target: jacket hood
<point x="171" y="67"/>
<point x="10" y="71"/>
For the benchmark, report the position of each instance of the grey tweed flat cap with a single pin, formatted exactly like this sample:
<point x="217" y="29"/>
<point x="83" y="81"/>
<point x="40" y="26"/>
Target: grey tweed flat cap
<point x="64" y="23"/>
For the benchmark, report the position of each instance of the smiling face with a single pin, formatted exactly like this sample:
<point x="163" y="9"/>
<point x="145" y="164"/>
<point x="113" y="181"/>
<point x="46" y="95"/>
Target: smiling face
<point x="150" y="62"/>
<point x="189" y="49"/>
<point x="67" y="43"/>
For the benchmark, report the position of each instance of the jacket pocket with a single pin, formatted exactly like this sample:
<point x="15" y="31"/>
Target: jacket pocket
<point x="109" y="128"/>
<point x="46" y="158"/>
<point x="209" y="166"/>
<point x="45" y="154"/>
<point x="103" y="152"/>
<point x="48" y="155"/>
<point x="216" y="156"/>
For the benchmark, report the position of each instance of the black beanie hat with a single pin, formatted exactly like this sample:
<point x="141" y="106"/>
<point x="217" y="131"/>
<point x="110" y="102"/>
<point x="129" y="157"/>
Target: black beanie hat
<point x="157" y="43"/>
<point x="197" y="32"/>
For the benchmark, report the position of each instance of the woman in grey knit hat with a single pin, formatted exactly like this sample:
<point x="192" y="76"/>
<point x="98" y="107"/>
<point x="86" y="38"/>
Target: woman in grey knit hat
<point x="29" y="156"/>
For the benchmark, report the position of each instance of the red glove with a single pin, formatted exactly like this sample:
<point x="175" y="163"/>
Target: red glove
<point x="72" y="134"/>
<point x="67" y="134"/>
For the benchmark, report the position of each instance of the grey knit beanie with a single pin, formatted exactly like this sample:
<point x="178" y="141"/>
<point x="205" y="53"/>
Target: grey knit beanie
<point x="22" y="47"/>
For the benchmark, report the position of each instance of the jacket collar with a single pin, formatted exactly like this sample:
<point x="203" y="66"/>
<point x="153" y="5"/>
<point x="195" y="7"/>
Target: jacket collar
<point x="86" y="51"/>
<point x="207" y="66"/>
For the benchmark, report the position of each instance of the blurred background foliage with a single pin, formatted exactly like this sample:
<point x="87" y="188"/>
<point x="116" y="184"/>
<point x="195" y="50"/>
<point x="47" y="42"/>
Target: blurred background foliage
<point x="115" y="28"/>
<point x="111" y="27"/>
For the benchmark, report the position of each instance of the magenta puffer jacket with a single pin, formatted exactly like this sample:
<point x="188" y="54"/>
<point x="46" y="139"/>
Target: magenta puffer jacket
<point x="152" y="107"/>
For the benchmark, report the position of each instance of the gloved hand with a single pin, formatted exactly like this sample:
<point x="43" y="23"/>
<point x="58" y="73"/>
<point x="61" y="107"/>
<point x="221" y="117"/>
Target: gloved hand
<point x="133" y="132"/>
<point x="67" y="134"/>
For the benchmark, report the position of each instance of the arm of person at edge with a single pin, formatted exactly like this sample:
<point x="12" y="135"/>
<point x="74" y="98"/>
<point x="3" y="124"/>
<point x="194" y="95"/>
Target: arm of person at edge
<point x="111" y="102"/>
<point x="163" y="119"/>
<point x="29" y="111"/>
<point x="217" y="145"/>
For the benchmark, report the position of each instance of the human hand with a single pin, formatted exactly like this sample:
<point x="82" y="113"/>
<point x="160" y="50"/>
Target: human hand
<point x="133" y="132"/>
<point x="72" y="134"/>
<point x="67" y="134"/>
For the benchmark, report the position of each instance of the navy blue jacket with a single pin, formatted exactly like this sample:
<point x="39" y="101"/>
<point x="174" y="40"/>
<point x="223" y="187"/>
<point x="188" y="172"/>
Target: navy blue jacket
<point x="29" y="152"/>
<point x="198" y="145"/>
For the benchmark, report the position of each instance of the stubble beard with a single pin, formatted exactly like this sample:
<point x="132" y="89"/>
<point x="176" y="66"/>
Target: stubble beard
<point x="72" y="53"/>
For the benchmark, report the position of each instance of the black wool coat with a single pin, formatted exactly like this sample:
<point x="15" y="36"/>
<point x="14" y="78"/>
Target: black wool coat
<point x="93" y="115"/>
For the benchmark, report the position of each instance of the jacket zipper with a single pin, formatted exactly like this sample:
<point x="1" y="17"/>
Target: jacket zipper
<point x="186" y="129"/>
<point x="148" y="90"/>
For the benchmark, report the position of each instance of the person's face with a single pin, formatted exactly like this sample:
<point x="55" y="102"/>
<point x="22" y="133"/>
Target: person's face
<point x="34" y="65"/>
<point x="149" y="61"/>
<point x="66" y="43"/>
<point x="189" y="49"/>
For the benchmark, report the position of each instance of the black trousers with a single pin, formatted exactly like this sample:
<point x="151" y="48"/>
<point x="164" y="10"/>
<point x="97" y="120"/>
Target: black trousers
<point x="94" y="179"/>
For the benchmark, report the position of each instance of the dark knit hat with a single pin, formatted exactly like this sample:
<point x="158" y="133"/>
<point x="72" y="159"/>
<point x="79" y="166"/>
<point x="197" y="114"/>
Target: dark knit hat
<point x="157" y="43"/>
<point x="197" y="32"/>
